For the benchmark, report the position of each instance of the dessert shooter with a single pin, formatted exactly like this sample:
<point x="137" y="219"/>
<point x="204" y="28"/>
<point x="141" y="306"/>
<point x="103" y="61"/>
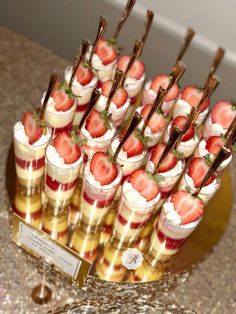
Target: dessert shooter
<point x="193" y="177"/>
<point x="220" y="118"/>
<point x="64" y="159"/>
<point x="102" y="177"/>
<point x="179" y="217"/>
<point x="82" y="80"/>
<point x="103" y="54"/>
<point x="139" y="197"/>
<point x="119" y="103"/>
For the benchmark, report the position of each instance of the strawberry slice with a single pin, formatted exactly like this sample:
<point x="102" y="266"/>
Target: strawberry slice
<point x="120" y="96"/>
<point x="62" y="100"/>
<point x="95" y="124"/>
<point x="214" y="144"/>
<point x="193" y="95"/>
<point x="163" y="81"/>
<point x="180" y="122"/>
<point x="65" y="147"/>
<point x="144" y="184"/>
<point x="105" y="51"/>
<point x="168" y="163"/>
<point x="31" y="127"/>
<point x="84" y="75"/>
<point x="197" y="170"/>
<point x="103" y="170"/>
<point x="137" y="69"/>
<point x="190" y="208"/>
<point x="133" y="146"/>
<point x="223" y="113"/>
<point x="157" y="121"/>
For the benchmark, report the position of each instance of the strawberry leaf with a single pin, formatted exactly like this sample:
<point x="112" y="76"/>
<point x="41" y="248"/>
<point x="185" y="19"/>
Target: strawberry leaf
<point x="208" y="159"/>
<point x="107" y="118"/>
<point x="177" y="154"/>
<point x="234" y="148"/>
<point x="77" y="140"/>
<point x="158" y="178"/>
<point x="188" y="189"/>
<point x="144" y="139"/>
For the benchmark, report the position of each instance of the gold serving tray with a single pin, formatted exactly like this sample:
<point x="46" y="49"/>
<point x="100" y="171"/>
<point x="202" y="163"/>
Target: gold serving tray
<point x="202" y="240"/>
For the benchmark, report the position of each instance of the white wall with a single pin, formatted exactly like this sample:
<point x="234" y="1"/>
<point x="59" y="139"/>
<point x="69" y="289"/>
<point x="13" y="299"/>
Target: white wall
<point x="213" y="20"/>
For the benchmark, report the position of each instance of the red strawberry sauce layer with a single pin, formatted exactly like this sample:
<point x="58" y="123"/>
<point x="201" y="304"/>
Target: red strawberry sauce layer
<point x="170" y="244"/>
<point x="34" y="164"/>
<point x="55" y="185"/>
<point x="132" y="225"/>
<point x="66" y="128"/>
<point x="81" y="108"/>
<point x="97" y="203"/>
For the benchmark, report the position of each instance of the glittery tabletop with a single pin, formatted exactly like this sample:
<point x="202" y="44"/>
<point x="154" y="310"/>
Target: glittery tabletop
<point x="210" y="288"/>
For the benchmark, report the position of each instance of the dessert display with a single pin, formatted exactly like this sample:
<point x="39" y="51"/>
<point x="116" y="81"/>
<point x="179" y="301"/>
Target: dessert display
<point x="102" y="180"/>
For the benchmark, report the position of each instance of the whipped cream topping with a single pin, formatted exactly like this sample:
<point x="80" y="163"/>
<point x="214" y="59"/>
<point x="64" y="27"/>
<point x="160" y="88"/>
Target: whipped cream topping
<point x="80" y="89"/>
<point x="55" y="159"/>
<point x="123" y="155"/>
<point x="136" y="198"/>
<point x="91" y="179"/>
<point x="184" y="108"/>
<point x="171" y="214"/>
<point x="51" y="106"/>
<point x="178" y="168"/>
<point x="19" y="133"/>
<point x="106" y="136"/>
<point x="203" y="152"/>
<point x="208" y="189"/>
<point x="101" y="104"/>
<point x="215" y="126"/>
<point x="131" y="83"/>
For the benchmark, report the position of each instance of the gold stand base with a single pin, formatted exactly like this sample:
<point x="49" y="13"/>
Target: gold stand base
<point x="41" y="294"/>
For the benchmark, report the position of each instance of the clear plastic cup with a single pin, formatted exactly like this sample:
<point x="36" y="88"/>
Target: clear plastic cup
<point x="95" y="198"/>
<point x="132" y="214"/>
<point x="29" y="159"/>
<point x="61" y="179"/>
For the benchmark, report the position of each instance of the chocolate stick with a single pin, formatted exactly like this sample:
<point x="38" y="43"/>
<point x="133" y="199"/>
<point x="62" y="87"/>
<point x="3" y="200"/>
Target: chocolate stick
<point x="216" y="62"/>
<point x="148" y="24"/>
<point x="101" y="29"/>
<point x="187" y="40"/>
<point x="94" y="98"/>
<point x="231" y="130"/>
<point x="135" y="54"/>
<point x="124" y="15"/>
<point x="51" y="85"/>
<point x="221" y="156"/>
<point x="83" y="49"/>
<point x="171" y="143"/>
<point x="157" y="103"/>
<point x="134" y="123"/>
<point x="116" y="83"/>
<point x="176" y="74"/>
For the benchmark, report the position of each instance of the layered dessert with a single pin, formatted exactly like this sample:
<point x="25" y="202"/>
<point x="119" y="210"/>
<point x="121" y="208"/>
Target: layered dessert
<point x="85" y="243"/>
<point x="84" y="82"/>
<point x="151" y="90"/>
<point x="209" y="148"/>
<point x="144" y="235"/>
<point x="102" y="177"/>
<point x="169" y="171"/>
<point x="108" y="223"/>
<point x="220" y="118"/>
<point x="104" y="60"/>
<point x="55" y="223"/>
<point x="133" y="82"/>
<point x="74" y="209"/>
<point x="156" y="125"/>
<point x="61" y="108"/>
<point x="119" y="103"/>
<point x="190" y="98"/>
<point x="31" y="137"/>
<point x="109" y="266"/>
<point x="64" y="159"/>
<point x="139" y="197"/>
<point x="193" y="177"/>
<point x="146" y="272"/>
<point x="29" y="207"/>
<point x="189" y="140"/>
<point x="98" y="132"/>
<point x="179" y="217"/>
